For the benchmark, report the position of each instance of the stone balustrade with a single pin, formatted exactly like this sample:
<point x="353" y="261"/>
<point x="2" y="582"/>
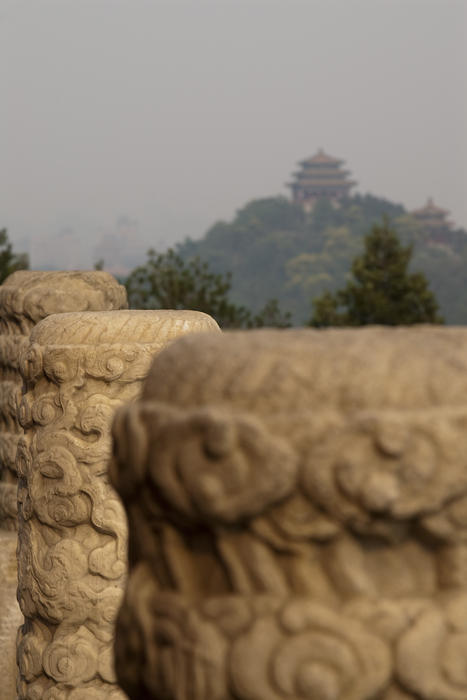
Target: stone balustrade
<point x="297" y="505"/>
<point x="25" y="298"/>
<point x="77" y="368"/>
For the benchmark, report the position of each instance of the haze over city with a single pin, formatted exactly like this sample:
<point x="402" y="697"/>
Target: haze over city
<point x="127" y="124"/>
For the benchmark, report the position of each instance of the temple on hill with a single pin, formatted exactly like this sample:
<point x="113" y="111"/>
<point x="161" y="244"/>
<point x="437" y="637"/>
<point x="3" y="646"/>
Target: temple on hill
<point x="432" y="218"/>
<point x="320" y="176"/>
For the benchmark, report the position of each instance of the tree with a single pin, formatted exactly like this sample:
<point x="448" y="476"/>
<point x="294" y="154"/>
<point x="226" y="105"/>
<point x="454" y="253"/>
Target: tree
<point x="274" y="249"/>
<point x="10" y="261"/>
<point x="381" y="291"/>
<point x="166" y="281"/>
<point x="271" y="316"/>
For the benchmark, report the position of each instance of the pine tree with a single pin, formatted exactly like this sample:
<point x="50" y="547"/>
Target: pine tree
<point x="167" y="281"/>
<point x="382" y="291"/>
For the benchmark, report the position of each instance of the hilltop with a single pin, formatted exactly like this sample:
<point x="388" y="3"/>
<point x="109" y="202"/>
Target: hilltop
<point x="273" y="248"/>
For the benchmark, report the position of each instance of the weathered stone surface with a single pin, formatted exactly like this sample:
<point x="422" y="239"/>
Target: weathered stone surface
<point x="297" y="505"/>
<point x="78" y="368"/>
<point x="10" y="615"/>
<point x="25" y="298"/>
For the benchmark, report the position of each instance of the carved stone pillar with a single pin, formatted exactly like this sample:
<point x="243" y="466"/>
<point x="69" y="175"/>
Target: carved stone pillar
<point x="26" y="297"/>
<point x="297" y="505"/>
<point x="72" y="538"/>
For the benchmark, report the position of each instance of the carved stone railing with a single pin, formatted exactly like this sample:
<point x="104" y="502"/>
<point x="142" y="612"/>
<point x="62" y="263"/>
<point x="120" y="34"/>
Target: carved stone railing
<point x="297" y="505"/>
<point x="26" y="298"/>
<point x="78" y="369"/>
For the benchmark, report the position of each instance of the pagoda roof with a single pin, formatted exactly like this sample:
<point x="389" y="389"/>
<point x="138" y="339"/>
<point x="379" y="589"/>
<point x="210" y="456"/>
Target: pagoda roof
<point x="430" y="209"/>
<point x="320" y="158"/>
<point x="303" y="184"/>
<point x="302" y="178"/>
<point x="322" y="172"/>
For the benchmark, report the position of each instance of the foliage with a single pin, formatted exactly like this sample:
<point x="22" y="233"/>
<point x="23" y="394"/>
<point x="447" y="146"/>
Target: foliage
<point x="382" y="291"/>
<point x="10" y="261"/>
<point x="271" y="316"/>
<point x="167" y="281"/>
<point x="273" y="249"/>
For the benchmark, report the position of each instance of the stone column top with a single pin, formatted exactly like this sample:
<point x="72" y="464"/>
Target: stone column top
<point x="122" y="327"/>
<point x="306" y="369"/>
<point x="370" y="424"/>
<point x="29" y="296"/>
<point x="103" y="344"/>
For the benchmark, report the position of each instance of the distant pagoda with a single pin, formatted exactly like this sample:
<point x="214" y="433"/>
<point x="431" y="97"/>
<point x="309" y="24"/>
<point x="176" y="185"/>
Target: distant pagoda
<point x="432" y="218"/>
<point x="321" y="176"/>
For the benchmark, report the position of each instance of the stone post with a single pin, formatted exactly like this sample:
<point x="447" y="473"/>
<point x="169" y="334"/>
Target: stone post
<point x="26" y="297"/>
<point x="297" y="505"/>
<point x="72" y="560"/>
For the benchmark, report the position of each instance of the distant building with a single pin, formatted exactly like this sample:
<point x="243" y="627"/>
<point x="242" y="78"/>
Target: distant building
<point x="432" y="218"/>
<point x="320" y="176"/>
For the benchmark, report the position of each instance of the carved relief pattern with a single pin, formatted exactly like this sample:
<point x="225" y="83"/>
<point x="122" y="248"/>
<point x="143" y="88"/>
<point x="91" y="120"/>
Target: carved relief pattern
<point x="304" y="548"/>
<point x="10" y="430"/>
<point x="78" y="369"/>
<point x="25" y="298"/>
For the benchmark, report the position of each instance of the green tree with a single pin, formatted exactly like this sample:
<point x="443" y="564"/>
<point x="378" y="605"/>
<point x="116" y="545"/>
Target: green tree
<point x="10" y="261"/>
<point x="382" y="291"/>
<point x="271" y="316"/>
<point x="167" y="281"/>
<point x="274" y="249"/>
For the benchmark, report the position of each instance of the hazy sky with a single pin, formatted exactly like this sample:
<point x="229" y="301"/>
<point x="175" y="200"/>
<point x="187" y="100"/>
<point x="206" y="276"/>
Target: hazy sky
<point x="174" y="114"/>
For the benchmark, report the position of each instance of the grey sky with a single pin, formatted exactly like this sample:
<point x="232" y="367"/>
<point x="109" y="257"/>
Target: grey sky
<point x="174" y="114"/>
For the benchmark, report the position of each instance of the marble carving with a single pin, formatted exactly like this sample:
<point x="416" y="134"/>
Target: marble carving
<point x="26" y="297"/>
<point x="297" y="505"/>
<point x="78" y="368"/>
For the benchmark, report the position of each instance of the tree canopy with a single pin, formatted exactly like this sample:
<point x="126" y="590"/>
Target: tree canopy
<point x="381" y="290"/>
<point x="10" y="261"/>
<point x="273" y="248"/>
<point x="167" y="281"/>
